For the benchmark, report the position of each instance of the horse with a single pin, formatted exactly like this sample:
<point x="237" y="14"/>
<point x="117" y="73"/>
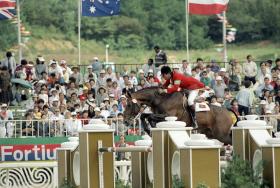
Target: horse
<point x="215" y="123"/>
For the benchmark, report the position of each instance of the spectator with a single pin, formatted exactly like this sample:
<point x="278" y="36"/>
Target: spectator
<point x="43" y="126"/>
<point x="222" y="73"/>
<point x="160" y="57"/>
<point x="55" y="70"/>
<point x="40" y="67"/>
<point x="122" y="103"/>
<point x="265" y="86"/>
<point x="88" y="73"/>
<point x="98" y="113"/>
<point x="10" y="63"/>
<point x="250" y="69"/>
<point x="101" y="95"/>
<point x="263" y="73"/>
<point x="219" y="87"/>
<point x="76" y="76"/>
<point x="110" y="73"/>
<point x="186" y="68"/>
<point x="205" y="79"/>
<point x="234" y="107"/>
<point x="74" y="125"/>
<point x="149" y="66"/>
<point x="270" y="105"/>
<point x="235" y="71"/>
<point x="121" y="155"/>
<point x="133" y="78"/>
<point x="244" y="98"/>
<point x="28" y="127"/>
<point x="214" y="66"/>
<point x="5" y="85"/>
<point x="277" y="65"/>
<point x="96" y="66"/>
<point x="101" y="81"/>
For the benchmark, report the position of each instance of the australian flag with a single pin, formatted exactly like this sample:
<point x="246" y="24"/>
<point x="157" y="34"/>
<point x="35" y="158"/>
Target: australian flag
<point x="7" y="9"/>
<point x="100" y="7"/>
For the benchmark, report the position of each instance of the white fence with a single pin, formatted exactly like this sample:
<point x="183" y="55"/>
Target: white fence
<point x="29" y="174"/>
<point x="54" y="128"/>
<point x="44" y="174"/>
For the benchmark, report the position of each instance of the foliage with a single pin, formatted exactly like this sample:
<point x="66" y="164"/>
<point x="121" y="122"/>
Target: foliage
<point x="145" y="23"/>
<point x="202" y="185"/>
<point x="66" y="184"/>
<point x="121" y="184"/>
<point x="8" y="36"/>
<point x="241" y="174"/>
<point x="177" y="182"/>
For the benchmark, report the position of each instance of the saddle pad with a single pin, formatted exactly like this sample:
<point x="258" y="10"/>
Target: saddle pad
<point x="201" y="107"/>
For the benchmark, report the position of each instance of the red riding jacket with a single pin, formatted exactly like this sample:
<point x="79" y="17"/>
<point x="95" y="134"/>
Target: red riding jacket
<point x="179" y="81"/>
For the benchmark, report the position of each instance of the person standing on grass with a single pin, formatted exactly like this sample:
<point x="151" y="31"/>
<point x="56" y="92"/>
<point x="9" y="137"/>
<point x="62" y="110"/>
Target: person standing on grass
<point x="244" y="99"/>
<point x="96" y="66"/>
<point x="250" y="69"/>
<point x="160" y="57"/>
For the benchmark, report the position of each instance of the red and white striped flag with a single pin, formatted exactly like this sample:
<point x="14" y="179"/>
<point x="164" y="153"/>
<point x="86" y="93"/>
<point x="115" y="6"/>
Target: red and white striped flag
<point x="7" y="9"/>
<point x="207" y="7"/>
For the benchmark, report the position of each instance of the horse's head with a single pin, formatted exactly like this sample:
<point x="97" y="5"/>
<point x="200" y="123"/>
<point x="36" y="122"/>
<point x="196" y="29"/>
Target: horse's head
<point x="132" y="109"/>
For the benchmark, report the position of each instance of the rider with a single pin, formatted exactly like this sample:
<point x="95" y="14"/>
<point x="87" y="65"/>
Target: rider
<point x="176" y="81"/>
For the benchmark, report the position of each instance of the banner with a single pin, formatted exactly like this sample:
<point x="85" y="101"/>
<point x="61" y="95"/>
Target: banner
<point x="37" y="149"/>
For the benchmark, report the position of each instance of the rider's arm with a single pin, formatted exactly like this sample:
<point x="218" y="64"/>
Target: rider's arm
<point x="166" y="84"/>
<point x="175" y="87"/>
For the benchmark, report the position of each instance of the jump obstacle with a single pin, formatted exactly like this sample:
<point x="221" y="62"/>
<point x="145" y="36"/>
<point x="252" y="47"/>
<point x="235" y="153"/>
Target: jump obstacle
<point x="172" y="151"/>
<point x="252" y="141"/>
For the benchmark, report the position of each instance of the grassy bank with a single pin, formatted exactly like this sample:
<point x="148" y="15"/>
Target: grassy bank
<point x="59" y="48"/>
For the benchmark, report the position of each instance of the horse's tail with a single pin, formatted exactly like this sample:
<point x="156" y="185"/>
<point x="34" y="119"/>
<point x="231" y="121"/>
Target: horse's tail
<point x="235" y="117"/>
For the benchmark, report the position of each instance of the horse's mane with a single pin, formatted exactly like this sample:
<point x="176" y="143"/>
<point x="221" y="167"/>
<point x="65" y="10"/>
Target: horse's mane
<point x="149" y="88"/>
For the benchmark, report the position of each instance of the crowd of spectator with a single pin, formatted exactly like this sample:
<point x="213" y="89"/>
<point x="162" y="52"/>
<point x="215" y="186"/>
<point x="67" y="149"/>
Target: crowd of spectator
<point x="64" y="93"/>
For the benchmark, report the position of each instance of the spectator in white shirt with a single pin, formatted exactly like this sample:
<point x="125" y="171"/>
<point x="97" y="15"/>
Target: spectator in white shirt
<point x="250" y="69"/>
<point x="74" y="125"/>
<point x="270" y="105"/>
<point x="262" y="73"/>
<point x="186" y="68"/>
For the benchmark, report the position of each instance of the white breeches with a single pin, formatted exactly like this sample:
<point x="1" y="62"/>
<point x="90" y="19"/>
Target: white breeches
<point x="192" y="96"/>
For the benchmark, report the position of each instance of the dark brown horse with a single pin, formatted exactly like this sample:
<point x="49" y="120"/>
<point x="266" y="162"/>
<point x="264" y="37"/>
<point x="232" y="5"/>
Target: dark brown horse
<point x="215" y="123"/>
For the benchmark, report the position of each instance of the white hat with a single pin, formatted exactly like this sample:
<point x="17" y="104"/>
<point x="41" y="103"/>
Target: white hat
<point x="55" y="99"/>
<point x="62" y="62"/>
<point x="223" y="70"/>
<point x="112" y="95"/>
<point x="268" y="112"/>
<point x="150" y="71"/>
<point x="97" y="109"/>
<point x="176" y="66"/>
<point x="52" y="62"/>
<point x="263" y="102"/>
<point x="4" y="105"/>
<point x="40" y="58"/>
<point x="106" y="99"/>
<point x="95" y="58"/>
<point x="219" y="78"/>
<point x="102" y="105"/>
<point x="89" y="67"/>
<point x="73" y="113"/>
<point x="123" y="96"/>
<point x="53" y="89"/>
<point x="141" y="71"/>
<point x="102" y="71"/>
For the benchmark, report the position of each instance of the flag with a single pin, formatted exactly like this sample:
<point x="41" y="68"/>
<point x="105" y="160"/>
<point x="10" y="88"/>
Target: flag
<point x="7" y="9"/>
<point x="207" y="7"/>
<point x="100" y="7"/>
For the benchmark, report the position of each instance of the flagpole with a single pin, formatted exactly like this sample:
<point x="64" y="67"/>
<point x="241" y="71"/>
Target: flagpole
<point x="19" y="33"/>
<point x="79" y="32"/>
<point x="187" y="29"/>
<point x="224" y="38"/>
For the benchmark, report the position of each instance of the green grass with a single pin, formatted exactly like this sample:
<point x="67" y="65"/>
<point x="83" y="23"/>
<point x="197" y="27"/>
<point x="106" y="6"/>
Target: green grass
<point x="56" y="46"/>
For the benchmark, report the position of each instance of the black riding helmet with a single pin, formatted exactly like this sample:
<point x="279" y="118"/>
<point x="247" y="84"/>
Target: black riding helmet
<point x="165" y="70"/>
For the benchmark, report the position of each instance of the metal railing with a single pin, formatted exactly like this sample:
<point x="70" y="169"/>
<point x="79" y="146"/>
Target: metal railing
<point x="60" y="128"/>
